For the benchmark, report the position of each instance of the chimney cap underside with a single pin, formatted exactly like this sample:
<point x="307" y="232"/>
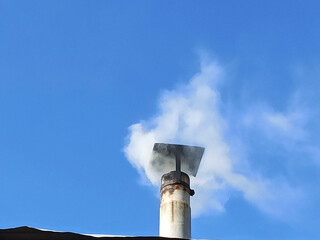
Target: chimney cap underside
<point x="165" y="155"/>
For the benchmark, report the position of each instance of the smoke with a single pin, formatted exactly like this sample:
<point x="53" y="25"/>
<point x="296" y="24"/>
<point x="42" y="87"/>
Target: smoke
<point x="191" y="115"/>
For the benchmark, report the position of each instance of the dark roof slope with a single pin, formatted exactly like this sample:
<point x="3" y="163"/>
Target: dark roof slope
<point x="27" y="233"/>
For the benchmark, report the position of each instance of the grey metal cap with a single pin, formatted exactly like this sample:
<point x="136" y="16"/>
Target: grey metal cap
<point x="167" y="157"/>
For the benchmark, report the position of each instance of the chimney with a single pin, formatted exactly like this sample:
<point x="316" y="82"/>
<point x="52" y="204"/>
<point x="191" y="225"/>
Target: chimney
<point x="175" y="211"/>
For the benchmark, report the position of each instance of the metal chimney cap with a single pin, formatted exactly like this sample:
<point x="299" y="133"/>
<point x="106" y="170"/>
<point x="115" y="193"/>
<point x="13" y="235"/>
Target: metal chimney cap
<point x="172" y="155"/>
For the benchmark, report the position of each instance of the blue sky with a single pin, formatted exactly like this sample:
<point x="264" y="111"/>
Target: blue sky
<point x="82" y="80"/>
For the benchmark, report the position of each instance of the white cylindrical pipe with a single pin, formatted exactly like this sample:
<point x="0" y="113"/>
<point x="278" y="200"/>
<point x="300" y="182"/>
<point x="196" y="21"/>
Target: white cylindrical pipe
<point x="175" y="211"/>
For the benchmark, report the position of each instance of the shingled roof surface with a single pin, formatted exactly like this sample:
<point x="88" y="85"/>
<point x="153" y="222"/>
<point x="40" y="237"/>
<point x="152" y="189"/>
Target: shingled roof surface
<point x="27" y="233"/>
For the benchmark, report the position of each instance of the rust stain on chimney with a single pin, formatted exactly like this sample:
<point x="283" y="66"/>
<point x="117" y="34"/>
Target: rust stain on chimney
<point x="172" y="213"/>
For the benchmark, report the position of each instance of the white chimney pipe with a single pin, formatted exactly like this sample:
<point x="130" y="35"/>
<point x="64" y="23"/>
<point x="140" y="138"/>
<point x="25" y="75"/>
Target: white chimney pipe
<point x="175" y="211"/>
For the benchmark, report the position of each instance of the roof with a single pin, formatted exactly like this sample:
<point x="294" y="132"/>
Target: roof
<point x="27" y="233"/>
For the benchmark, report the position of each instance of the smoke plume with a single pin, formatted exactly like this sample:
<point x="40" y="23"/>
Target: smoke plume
<point x="191" y="115"/>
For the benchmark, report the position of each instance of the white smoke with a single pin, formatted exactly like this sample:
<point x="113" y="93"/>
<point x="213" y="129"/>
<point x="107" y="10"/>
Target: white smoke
<point x="190" y="115"/>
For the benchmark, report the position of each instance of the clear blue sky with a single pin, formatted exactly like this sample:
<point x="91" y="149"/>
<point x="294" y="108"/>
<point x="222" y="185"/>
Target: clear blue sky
<point x="74" y="75"/>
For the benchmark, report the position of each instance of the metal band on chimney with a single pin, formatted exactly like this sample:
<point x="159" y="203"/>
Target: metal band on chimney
<point x="172" y="178"/>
